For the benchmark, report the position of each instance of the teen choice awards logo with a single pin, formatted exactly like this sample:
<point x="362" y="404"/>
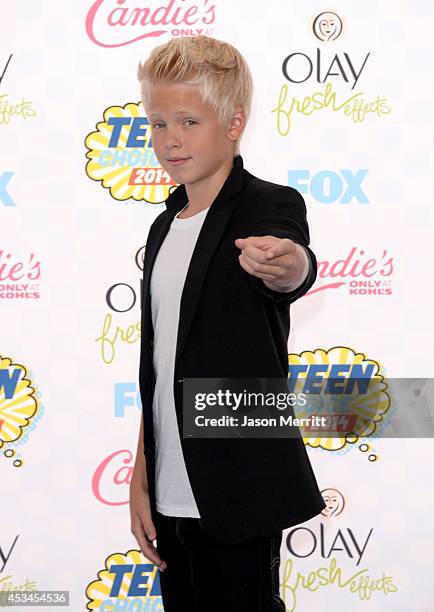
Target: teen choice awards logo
<point x="20" y="408"/>
<point x="122" y="158"/>
<point x="129" y="582"/>
<point x="347" y="388"/>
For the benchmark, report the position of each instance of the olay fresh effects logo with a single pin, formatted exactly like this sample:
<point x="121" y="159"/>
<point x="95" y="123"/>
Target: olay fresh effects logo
<point x="339" y="73"/>
<point x="8" y="582"/>
<point x="6" y="551"/>
<point x="20" y="408"/>
<point x="18" y="276"/>
<point x="358" y="272"/>
<point x="336" y="548"/>
<point x="327" y="26"/>
<point x="123" y="300"/>
<point x="128" y="582"/>
<point x="111" y="23"/>
<point x="122" y="158"/>
<point x="10" y="109"/>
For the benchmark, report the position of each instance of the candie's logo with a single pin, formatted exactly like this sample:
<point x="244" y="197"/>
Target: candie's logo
<point x="116" y="23"/>
<point x="327" y="26"/>
<point x="121" y="157"/>
<point x="20" y="408"/>
<point x="18" y="275"/>
<point x="112" y="477"/>
<point x="357" y="273"/>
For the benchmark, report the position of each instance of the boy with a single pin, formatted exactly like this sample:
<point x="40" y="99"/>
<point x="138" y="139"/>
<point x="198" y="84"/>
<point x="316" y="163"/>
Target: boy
<point x="222" y="264"/>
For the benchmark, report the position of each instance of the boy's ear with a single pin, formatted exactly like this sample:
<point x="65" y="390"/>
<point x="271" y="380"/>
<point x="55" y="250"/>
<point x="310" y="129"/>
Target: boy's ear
<point x="237" y="123"/>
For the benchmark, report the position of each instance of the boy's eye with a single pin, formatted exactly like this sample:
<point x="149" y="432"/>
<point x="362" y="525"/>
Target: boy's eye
<point x="160" y="123"/>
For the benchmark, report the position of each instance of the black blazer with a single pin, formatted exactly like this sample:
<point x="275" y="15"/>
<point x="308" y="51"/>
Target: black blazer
<point x="232" y="325"/>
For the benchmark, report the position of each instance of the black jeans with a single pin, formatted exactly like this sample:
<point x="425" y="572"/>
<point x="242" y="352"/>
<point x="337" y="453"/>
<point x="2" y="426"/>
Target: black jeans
<point x="206" y="575"/>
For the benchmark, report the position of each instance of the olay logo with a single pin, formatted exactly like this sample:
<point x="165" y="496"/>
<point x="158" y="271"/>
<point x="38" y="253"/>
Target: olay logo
<point x="327" y="26"/>
<point x="335" y="502"/>
<point x="122" y="23"/>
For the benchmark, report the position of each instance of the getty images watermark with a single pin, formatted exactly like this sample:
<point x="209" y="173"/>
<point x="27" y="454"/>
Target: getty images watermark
<point x="307" y="407"/>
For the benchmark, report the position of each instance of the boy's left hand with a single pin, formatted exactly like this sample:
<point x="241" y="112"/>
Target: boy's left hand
<point x="281" y="263"/>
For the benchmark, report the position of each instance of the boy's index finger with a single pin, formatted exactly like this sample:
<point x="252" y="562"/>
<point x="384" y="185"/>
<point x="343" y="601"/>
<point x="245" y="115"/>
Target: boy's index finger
<point x="255" y="252"/>
<point x="283" y="246"/>
<point x="256" y="246"/>
<point x="266" y="250"/>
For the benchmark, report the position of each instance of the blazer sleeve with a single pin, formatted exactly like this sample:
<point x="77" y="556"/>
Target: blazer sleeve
<point x="284" y="216"/>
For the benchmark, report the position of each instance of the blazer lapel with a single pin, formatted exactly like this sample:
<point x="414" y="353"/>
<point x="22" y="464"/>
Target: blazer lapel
<point x="178" y="199"/>
<point x="207" y="242"/>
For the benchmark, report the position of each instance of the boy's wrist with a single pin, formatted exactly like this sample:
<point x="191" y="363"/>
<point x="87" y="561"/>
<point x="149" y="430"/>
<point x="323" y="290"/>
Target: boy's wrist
<point x="303" y="265"/>
<point x="140" y="485"/>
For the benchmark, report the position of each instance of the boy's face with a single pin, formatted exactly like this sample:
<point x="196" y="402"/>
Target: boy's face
<point x="183" y="126"/>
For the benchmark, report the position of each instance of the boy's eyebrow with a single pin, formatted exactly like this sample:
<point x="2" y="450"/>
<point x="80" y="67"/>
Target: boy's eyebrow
<point x="180" y="112"/>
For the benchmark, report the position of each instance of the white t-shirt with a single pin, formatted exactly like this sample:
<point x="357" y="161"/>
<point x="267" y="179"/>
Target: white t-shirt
<point x="174" y="496"/>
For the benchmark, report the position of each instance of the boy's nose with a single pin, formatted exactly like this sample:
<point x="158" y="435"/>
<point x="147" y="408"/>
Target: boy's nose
<point x="172" y="141"/>
<point x="172" y="146"/>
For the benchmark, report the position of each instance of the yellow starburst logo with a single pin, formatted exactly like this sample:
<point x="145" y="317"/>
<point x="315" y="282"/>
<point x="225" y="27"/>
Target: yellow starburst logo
<point x="18" y="403"/>
<point x="121" y="157"/>
<point x="361" y="413"/>
<point x="126" y="577"/>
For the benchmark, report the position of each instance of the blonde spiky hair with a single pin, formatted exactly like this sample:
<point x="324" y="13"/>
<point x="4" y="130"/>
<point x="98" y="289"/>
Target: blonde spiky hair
<point x="218" y="69"/>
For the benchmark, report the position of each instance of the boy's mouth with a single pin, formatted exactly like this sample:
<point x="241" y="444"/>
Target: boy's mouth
<point x="178" y="160"/>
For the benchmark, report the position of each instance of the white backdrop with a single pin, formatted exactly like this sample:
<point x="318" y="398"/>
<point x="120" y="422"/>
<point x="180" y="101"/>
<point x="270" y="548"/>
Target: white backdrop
<point x="72" y="237"/>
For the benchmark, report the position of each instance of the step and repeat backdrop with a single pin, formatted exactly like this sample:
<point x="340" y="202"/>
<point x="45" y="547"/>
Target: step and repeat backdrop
<point x="342" y="111"/>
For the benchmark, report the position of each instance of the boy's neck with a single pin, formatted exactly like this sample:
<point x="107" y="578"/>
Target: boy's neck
<point x="202" y="195"/>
